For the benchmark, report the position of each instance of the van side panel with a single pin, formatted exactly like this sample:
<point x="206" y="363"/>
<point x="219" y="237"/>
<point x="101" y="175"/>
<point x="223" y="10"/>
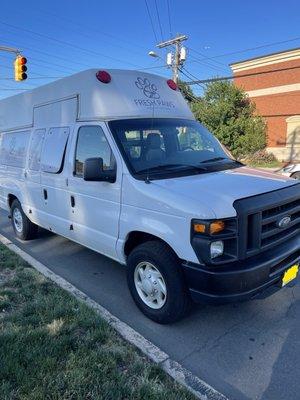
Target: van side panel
<point x="147" y="209"/>
<point x="63" y="112"/>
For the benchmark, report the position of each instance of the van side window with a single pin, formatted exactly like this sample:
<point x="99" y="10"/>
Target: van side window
<point x="14" y="148"/>
<point x="53" y="153"/>
<point x="35" y="149"/>
<point x="91" y="142"/>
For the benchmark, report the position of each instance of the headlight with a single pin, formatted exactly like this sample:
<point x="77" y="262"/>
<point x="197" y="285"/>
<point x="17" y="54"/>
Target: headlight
<point x="216" y="249"/>
<point x="215" y="241"/>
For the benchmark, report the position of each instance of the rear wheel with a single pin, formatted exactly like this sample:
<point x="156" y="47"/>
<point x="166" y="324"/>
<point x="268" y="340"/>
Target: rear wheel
<point x="156" y="282"/>
<point x="23" y="227"/>
<point x="296" y="175"/>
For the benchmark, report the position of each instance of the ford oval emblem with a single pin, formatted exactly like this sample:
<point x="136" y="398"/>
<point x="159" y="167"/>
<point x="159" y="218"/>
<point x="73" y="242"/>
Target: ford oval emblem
<point x="284" y="222"/>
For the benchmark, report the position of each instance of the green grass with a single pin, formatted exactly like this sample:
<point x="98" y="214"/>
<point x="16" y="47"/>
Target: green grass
<point x="54" y="347"/>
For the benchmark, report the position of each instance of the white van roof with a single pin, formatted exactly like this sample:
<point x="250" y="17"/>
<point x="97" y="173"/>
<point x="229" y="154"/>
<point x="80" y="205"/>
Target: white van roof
<point x="129" y="94"/>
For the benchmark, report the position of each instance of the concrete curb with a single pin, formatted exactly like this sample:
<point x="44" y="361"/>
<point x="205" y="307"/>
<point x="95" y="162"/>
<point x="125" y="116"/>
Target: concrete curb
<point x="181" y="375"/>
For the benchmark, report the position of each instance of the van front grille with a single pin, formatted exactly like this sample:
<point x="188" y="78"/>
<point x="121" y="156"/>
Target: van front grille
<point x="260" y="220"/>
<point x="269" y="232"/>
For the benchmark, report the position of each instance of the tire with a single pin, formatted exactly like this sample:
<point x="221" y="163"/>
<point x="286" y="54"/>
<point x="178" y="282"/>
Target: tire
<point x="24" y="229"/>
<point x="175" y="303"/>
<point x="296" y="175"/>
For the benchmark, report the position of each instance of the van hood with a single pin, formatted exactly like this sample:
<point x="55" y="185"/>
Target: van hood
<point x="220" y="189"/>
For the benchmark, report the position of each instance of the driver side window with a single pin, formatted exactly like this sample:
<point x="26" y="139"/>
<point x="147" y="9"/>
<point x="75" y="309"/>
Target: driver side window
<point x="91" y="142"/>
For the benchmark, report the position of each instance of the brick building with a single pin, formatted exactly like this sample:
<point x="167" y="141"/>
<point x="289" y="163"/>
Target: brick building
<point x="273" y="83"/>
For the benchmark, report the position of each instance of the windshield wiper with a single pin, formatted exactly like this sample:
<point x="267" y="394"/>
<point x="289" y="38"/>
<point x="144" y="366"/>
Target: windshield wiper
<point x="215" y="159"/>
<point x="220" y="159"/>
<point x="171" y="167"/>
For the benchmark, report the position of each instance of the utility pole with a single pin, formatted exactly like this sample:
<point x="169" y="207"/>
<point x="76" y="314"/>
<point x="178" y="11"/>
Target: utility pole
<point x="175" y="60"/>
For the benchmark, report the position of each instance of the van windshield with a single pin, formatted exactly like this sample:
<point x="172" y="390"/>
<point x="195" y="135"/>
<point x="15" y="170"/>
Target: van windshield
<point x="164" y="147"/>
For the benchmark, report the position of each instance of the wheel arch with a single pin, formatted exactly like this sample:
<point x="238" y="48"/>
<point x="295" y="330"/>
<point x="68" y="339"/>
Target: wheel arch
<point x="135" y="238"/>
<point x="10" y="199"/>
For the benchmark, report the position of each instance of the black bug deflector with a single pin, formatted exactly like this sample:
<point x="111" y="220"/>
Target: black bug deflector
<point x="264" y="251"/>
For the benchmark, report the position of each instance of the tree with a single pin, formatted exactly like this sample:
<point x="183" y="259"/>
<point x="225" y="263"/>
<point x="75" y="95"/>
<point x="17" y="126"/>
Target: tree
<point x="226" y="111"/>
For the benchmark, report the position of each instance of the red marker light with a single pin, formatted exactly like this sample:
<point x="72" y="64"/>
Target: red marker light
<point x="172" y="84"/>
<point x="103" y="76"/>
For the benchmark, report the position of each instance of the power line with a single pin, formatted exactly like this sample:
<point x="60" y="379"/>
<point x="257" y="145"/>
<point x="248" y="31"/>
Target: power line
<point x="169" y="17"/>
<point x="252" y="48"/>
<point x="65" y="59"/>
<point x="151" y="21"/>
<point x="67" y="43"/>
<point x="78" y="24"/>
<point x="154" y="67"/>
<point x="41" y="76"/>
<point x="159" y="22"/>
<point x="189" y="77"/>
<point x="34" y="63"/>
<point x="213" y="67"/>
<point x="91" y="36"/>
<point x="185" y="72"/>
<point x="207" y="58"/>
<point x="72" y="22"/>
<point x="49" y="54"/>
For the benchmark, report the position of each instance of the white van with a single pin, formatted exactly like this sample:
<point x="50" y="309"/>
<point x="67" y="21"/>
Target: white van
<point x="115" y="161"/>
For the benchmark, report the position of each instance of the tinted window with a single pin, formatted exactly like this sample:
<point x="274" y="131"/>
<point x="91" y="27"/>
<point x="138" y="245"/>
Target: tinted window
<point x="92" y="143"/>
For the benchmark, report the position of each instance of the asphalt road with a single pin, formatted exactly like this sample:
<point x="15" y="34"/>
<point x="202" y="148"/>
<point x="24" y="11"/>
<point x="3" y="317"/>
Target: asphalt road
<point x="248" y="350"/>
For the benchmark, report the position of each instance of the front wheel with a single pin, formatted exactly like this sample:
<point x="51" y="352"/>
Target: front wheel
<point x="156" y="282"/>
<point x="23" y="227"/>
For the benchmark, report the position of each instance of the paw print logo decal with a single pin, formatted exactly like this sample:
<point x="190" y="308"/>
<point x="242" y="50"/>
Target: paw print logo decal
<point x="149" y="89"/>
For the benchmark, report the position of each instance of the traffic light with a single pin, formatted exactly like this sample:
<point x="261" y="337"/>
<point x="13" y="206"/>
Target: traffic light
<point x="20" y="68"/>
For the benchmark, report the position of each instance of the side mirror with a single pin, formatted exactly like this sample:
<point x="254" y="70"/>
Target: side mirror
<point x="93" y="171"/>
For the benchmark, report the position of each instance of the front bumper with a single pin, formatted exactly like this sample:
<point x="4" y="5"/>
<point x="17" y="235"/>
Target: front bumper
<point x="241" y="280"/>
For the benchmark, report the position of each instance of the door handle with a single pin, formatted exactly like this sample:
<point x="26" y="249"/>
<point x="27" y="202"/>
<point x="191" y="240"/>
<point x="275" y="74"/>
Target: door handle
<point x="45" y="194"/>
<point x="72" y="201"/>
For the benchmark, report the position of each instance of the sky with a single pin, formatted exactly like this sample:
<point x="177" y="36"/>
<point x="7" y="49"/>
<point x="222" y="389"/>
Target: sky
<point x="62" y="37"/>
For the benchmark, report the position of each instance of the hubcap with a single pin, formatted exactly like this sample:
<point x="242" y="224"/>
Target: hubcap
<point x="150" y="285"/>
<point x="18" y="220"/>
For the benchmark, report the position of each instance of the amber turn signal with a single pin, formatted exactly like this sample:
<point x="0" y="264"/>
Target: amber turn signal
<point x="199" y="228"/>
<point x="216" y="227"/>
